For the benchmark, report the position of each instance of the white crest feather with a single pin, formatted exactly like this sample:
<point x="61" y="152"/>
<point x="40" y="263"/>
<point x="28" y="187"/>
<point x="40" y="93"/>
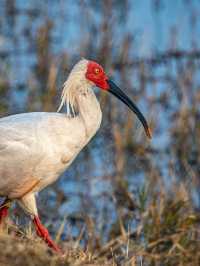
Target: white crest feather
<point x="76" y="78"/>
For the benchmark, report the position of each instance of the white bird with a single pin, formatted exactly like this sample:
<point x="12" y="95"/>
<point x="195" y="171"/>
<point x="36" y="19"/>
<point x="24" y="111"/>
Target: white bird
<point x="35" y="148"/>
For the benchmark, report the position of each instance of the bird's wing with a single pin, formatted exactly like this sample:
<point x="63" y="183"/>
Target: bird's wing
<point x="19" y="154"/>
<point x="21" y="131"/>
<point x="14" y="138"/>
<point x="37" y="147"/>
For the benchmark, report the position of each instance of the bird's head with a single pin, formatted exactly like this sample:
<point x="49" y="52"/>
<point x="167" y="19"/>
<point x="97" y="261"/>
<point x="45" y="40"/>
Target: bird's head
<point x="95" y="74"/>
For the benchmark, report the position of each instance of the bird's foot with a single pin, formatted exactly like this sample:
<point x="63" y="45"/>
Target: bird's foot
<point x="4" y="210"/>
<point x="3" y="213"/>
<point x="44" y="234"/>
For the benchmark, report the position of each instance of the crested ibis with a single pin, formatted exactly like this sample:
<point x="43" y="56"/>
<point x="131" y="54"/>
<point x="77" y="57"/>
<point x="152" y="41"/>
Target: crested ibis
<point x="35" y="148"/>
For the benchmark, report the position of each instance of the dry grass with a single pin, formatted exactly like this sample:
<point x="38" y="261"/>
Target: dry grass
<point x="18" y="249"/>
<point x="167" y="234"/>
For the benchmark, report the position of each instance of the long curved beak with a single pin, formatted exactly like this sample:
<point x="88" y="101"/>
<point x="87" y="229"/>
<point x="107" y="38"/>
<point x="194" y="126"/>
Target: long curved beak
<point x="115" y="90"/>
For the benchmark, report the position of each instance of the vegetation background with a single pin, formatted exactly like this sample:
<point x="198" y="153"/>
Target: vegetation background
<point x="125" y="200"/>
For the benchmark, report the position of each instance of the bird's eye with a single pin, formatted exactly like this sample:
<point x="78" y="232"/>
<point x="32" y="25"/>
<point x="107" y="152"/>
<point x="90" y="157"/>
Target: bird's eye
<point x="96" y="70"/>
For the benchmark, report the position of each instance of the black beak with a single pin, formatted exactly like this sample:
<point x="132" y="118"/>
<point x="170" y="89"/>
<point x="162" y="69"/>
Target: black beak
<point x="115" y="90"/>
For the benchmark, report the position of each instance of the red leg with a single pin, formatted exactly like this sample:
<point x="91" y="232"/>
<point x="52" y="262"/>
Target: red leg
<point x="4" y="209"/>
<point x="44" y="234"/>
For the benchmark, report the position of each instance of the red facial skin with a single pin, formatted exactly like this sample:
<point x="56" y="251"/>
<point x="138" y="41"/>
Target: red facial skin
<point x="96" y="74"/>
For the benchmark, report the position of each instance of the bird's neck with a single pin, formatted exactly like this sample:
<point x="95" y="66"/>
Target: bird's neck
<point x="88" y="109"/>
<point x="79" y="98"/>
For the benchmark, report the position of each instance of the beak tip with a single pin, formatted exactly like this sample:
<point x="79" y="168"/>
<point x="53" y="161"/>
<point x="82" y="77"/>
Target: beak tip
<point x="149" y="133"/>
